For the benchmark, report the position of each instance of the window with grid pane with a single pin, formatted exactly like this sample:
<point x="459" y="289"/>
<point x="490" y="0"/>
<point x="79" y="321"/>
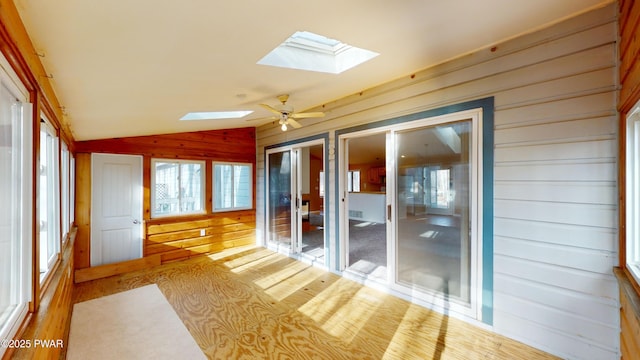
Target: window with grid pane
<point x="177" y="187"/>
<point x="232" y="186"/>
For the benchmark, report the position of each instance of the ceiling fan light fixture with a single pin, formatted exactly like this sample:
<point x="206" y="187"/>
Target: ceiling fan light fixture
<point x="288" y="117"/>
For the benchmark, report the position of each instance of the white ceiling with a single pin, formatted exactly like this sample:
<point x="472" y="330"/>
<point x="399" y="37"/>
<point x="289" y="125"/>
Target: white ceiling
<point x="126" y="68"/>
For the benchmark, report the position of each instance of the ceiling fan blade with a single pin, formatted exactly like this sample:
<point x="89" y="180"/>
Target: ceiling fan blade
<point x="264" y="119"/>
<point x="293" y="123"/>
<point x="307" y="115"/>
<point x="268" y="107"/>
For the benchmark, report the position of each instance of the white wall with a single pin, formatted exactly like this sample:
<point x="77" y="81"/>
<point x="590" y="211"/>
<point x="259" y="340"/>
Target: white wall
<point x="555" y="200"/>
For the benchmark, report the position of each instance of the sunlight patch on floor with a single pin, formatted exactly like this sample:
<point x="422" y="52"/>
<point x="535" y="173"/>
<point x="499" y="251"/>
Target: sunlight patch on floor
<point x="247" y="262"/>
<point x="281" y="275"/>
<point x="418" y="334"/>
<point x="248" y="258"/>
<point x="431" y="234"/>
<point x="323" y="305"/>
<point x="351" y="317"/>
<point x="370" y="269"/>
<point x="231" y="252"/>
<point x="293" y="284"/>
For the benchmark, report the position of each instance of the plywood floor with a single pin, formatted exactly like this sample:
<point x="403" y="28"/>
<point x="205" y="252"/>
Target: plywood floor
<point x="251" y="303"/>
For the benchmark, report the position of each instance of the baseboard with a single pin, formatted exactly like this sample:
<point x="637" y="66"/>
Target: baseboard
<point x="103" y="271"/>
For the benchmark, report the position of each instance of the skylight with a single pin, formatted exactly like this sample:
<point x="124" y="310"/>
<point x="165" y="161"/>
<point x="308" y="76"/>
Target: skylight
<point x="308" y="51"/>
<point x="215" y="115"/>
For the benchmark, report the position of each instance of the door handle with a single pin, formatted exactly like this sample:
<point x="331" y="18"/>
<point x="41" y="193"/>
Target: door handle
<point x="389" y="212"/>
<point x="136" y="221"/>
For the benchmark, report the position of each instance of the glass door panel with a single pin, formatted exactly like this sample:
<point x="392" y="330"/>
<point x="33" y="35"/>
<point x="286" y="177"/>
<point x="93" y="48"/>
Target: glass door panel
<point x="311" y="208"/>
<point x="366" y="223"/>
<point x="433" y="219"/>
<point x="280" y="195"/>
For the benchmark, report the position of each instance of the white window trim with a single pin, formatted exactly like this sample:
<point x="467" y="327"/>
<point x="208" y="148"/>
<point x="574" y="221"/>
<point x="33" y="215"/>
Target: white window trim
<point x="53" y="215"/>
<point x="351" y="183"/>
<point x="633" y="192"/>
<point x="213" y="186"/>
<point x="153" y="188"/>
<point x="9" y="328"/>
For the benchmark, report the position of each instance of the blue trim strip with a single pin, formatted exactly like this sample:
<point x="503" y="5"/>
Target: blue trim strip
<point x="487" y="209"/>
<point x="324" y="136"/>
<point x="487" y="105"/>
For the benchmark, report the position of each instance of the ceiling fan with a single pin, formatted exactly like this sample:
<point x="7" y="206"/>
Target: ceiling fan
<point x="286" y="116"/>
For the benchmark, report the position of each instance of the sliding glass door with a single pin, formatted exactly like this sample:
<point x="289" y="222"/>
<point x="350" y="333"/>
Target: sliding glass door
<point x="295" y="198"/>
<point x="280" y="194"/>
<point x="433" y="243"/>
<point x="366" y="205"/>
<point x="416" y="211"/>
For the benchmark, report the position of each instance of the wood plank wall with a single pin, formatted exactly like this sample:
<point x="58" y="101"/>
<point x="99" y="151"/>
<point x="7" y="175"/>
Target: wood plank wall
<point x="629" y="316"/>
<point x="555" y="178"/>
<point x="629" y="52"/>
<point x="178" y="237"/>
<point x="629" y="74"/>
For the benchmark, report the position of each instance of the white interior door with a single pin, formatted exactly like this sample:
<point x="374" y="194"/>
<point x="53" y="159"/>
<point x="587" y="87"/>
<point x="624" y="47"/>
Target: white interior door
<point x="116" y="208"/>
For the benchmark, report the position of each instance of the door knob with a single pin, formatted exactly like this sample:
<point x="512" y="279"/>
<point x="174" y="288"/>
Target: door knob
<point x="136" y="222"/>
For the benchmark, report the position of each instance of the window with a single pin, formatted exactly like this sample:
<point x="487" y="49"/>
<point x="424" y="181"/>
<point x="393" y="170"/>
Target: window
<point x="72" y="189"/>
<point x="353" y="181"/>
<point x="16" y="133"/>
<point x="49" y="196"/>
<point x="64" y="193"/>
<point x="633" y="192"/>
<point x="232" y="186"/>
<point x="67" y="192"/>
<point x="177" y="187"/>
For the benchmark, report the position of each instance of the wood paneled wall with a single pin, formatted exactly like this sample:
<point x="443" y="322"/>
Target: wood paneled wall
<point x="629" y="316"/>
<point x="220" y="145"/>
<point x="629" y="73"/>
<point x="629" y="51"/>
<point x="178" y="237"/>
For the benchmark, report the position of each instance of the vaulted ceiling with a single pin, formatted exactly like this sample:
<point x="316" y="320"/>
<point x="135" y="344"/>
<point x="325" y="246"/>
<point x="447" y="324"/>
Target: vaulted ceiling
<point x="126" y="68"/>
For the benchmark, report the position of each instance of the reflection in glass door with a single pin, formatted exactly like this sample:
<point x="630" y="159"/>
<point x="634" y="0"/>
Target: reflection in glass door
<point x="365" y="228"/>
<point x="279" y="199"/>
<point x="311" y="210"/>
<point x="295" y="218"/>
<point x="433" y="243"/>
